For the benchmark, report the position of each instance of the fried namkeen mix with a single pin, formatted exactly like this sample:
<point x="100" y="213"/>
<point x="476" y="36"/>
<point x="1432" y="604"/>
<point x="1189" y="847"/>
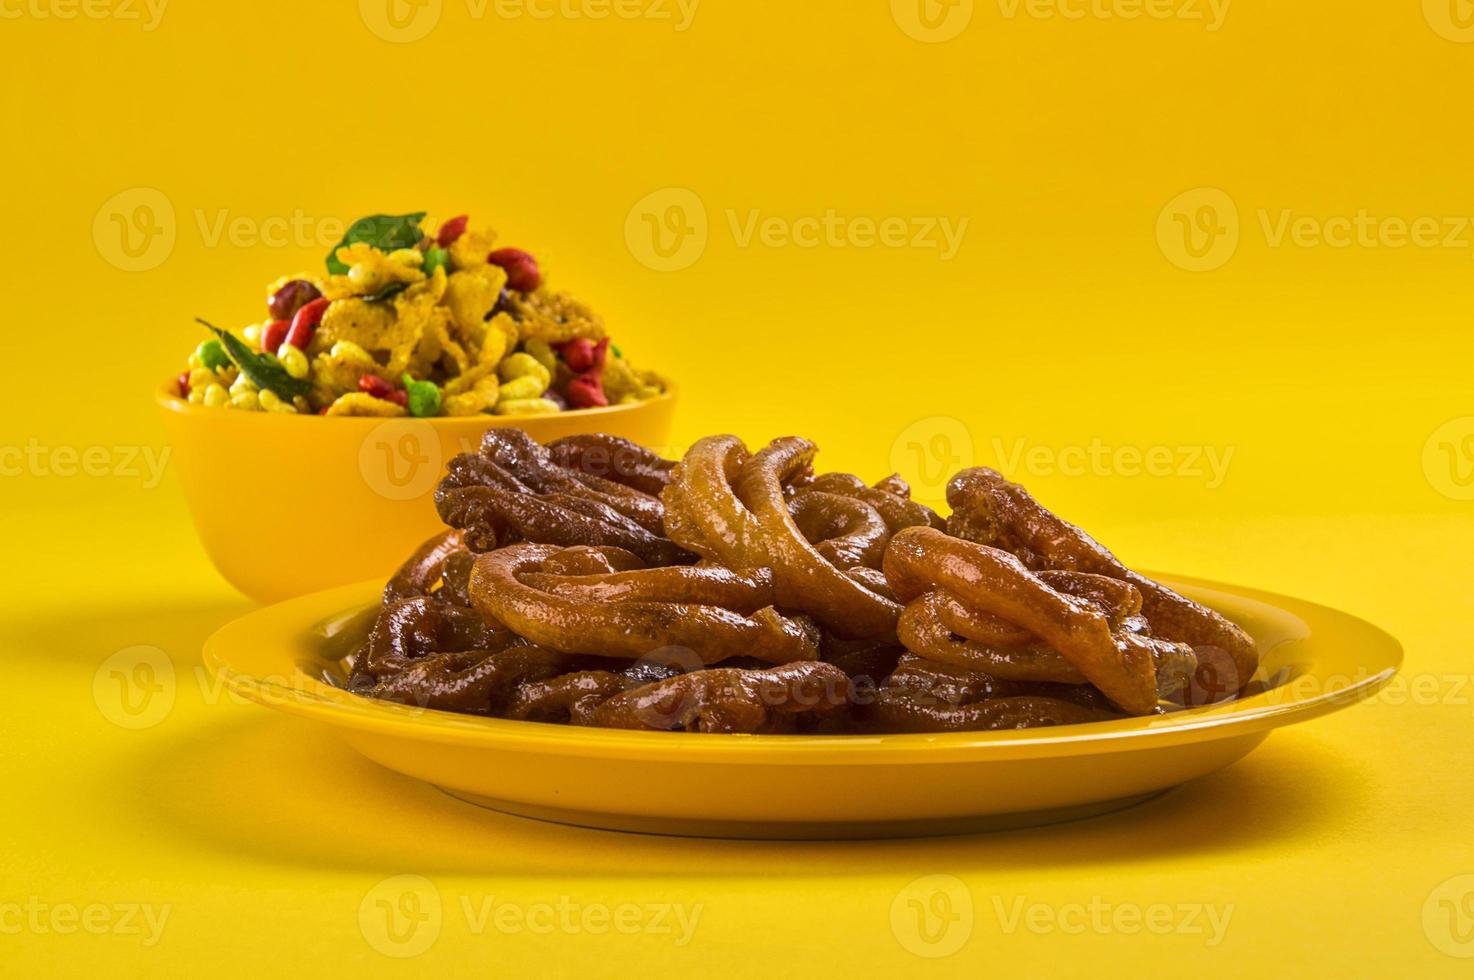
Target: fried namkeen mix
<point x="415" y="318"/>
<point x="593" y="582"/>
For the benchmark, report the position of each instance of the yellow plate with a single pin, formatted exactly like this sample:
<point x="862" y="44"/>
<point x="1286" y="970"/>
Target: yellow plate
<point x="1315" y="660"/>
<point x="355" y="494"/>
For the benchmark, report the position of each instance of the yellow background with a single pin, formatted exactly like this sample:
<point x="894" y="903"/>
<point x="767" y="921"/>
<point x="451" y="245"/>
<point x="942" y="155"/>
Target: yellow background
<point x="1064" y="320"/>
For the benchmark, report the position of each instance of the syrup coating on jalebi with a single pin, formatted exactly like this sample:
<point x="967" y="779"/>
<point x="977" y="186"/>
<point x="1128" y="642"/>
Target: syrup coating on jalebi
<point x="593" y="582"/>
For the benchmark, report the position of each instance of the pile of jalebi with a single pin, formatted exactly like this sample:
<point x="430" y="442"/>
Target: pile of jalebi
<point x="591" y="582"/>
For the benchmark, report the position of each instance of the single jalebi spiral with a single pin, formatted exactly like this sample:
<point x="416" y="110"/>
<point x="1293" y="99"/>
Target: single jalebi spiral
<point x="988" y="509"/>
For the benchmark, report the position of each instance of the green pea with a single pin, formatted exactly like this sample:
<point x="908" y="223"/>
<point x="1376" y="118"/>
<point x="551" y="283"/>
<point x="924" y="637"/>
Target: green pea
<point x="424" y="397"/>
<point x="212" y="354"/>
<point x="435" y="258"/>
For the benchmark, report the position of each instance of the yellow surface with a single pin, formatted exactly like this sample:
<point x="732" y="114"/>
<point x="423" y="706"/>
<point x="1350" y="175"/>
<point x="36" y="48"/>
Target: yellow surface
<point x="1334" y="370"/>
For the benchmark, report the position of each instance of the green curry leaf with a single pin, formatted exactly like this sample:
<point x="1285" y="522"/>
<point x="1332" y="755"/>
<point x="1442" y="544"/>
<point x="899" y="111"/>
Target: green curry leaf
<point x="268" y="375"/>
<point x="385" y="232"/>
<point x="388" y="292"/>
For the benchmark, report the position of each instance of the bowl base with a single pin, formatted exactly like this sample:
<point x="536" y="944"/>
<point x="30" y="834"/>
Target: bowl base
<point x="783" y="830"/>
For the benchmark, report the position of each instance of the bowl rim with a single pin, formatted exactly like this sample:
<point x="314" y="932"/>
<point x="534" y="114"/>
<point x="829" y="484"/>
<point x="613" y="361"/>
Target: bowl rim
<point x="273" y="632"/>
<point x="168" y="399"/>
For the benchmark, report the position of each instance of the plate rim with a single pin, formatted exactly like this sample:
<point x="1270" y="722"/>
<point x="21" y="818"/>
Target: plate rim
<point x="267" y="626"/>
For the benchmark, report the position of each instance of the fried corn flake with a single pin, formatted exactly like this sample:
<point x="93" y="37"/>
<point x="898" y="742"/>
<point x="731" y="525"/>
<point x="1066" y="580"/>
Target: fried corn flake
<point x="471" y="249"/>
<point x="624" y="384"/>
<point x="470" y="296"/>
<point x="370" y="270"/>
<point x="499" y="338"/>
<point x="527" y="406"/>
<point x="481" y="397"/>
<point x="359" y="404"/>
<point x="556" y="318"/>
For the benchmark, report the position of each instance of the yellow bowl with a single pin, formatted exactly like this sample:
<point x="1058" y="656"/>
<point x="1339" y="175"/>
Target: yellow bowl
<point x="290" y="504"/>
<point x="1315" y="660"/>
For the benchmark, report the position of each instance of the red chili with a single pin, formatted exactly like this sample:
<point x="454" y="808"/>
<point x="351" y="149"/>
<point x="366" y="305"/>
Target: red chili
<point x="274" y="335"/>
<point x="452" y="229"/>
<point x="587" y="391"/>
<point x="184" y="385"/>
<point x="521" y="268"/>
<point x="305" y="322"/>
<point x="399" y="397"/>
<point x="372" y="384"/>
<point x="578" y="354"/>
